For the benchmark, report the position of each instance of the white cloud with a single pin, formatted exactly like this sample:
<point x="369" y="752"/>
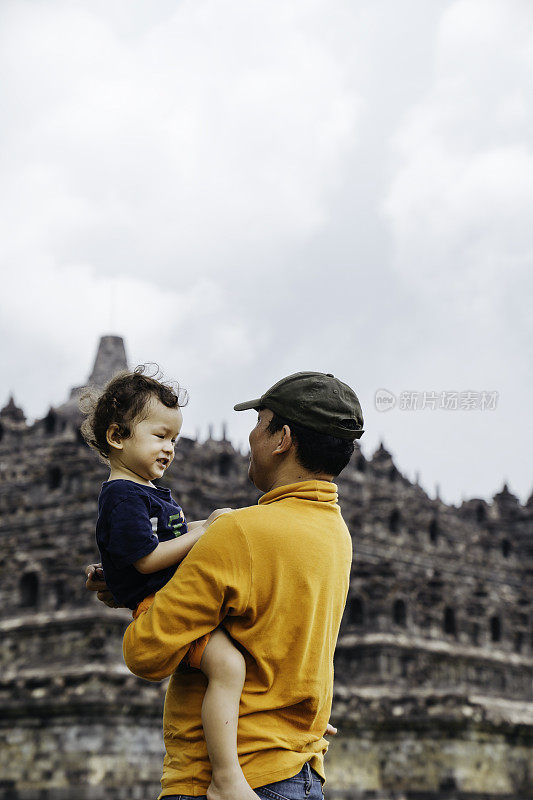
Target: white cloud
<point x="460" y="203"/>
<point x="218" y="134"/>
<point x="171" y="155"/>
<point x="223" y="169"/>
<point x="459" y="210"/>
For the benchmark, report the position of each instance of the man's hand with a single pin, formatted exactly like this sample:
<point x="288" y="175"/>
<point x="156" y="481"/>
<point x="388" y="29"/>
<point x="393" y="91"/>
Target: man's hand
<point x="96" y="583"/>
<point x="216" y="513"/>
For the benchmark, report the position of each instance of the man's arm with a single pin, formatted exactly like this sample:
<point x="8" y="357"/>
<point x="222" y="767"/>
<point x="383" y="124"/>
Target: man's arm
<point x="212" y="582"/>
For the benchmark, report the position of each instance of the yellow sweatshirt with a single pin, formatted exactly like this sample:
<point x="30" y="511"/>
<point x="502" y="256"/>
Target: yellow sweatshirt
<point x="276" y="576"/>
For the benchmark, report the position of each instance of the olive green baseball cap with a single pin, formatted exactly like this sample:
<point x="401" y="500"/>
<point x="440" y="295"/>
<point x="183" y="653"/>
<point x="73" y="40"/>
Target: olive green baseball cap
<point x="314" y="400"/>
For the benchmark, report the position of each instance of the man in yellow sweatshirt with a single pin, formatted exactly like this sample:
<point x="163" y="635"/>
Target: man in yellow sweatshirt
<point x="276" y="577"/>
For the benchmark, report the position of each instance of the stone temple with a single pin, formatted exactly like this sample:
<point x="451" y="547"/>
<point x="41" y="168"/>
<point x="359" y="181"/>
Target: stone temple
<point x="434" y="664"/>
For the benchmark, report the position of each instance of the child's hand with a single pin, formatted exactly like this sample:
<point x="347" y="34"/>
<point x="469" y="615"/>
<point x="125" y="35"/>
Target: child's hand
<point x="216" y="513"/>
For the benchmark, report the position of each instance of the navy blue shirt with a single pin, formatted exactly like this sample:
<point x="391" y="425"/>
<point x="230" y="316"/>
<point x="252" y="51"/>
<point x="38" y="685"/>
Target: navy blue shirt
<point x="132" y="520"/>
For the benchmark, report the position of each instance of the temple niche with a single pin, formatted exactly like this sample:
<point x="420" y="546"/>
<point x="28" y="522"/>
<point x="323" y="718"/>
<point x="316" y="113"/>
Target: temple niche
<point x="433" y="692"/>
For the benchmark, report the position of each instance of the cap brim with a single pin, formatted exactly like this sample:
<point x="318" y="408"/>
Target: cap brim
<point x="248" y="405"/>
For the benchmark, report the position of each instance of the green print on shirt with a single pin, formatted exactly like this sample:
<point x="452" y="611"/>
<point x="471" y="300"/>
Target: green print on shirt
<point x="176" y="522"/>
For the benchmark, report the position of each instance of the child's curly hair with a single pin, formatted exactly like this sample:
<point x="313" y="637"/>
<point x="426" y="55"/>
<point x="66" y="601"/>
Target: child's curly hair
<point x="123" y="401"/>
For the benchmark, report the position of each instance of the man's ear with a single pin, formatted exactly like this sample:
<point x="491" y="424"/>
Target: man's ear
<point x="113" y="437"/>
<point x="285" y="442"/>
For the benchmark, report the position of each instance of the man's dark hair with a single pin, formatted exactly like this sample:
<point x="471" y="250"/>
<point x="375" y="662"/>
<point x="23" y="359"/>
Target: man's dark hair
<point x="123" y="401"/>
<point x="317" y="452"/>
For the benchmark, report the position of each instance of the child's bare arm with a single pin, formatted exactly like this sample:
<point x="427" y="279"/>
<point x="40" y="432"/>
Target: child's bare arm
<point x="168" y="553"/>
<point x="196" y="524"/>
<point x="211" y="518"/>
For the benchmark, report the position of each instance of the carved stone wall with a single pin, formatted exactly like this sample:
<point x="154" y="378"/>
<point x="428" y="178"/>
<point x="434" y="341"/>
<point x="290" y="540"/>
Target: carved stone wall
<point x="434" y="664"/>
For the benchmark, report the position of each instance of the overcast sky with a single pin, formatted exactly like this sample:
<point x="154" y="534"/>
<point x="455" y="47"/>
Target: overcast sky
<point x="248" y="189"/>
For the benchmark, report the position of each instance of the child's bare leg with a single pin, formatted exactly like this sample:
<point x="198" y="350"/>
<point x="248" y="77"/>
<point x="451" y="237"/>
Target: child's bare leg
<point x="224" y="668"/>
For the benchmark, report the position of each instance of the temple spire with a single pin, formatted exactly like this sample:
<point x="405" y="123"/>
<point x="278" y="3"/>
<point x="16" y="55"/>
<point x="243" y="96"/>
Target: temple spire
<point x="110" y="359"/>
<point x="11" y="411"/>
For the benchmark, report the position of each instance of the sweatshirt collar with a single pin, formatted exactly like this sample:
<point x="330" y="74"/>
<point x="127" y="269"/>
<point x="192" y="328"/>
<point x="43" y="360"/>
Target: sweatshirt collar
<point x="321" y="491"/>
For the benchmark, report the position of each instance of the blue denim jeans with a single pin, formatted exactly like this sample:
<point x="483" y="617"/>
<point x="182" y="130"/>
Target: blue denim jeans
<point x="304" y="786"/>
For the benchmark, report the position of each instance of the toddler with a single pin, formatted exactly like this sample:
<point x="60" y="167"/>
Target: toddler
<point x="142" y="535"/>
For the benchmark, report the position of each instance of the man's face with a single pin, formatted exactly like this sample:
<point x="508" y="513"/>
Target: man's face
<point x="262" y="444"/>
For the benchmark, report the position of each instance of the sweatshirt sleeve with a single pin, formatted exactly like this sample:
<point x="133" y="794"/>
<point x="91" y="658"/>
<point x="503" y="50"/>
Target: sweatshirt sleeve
<point x="212" y="582"/>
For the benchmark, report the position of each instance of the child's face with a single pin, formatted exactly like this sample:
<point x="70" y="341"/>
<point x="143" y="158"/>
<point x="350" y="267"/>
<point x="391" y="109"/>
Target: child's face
<point x="149" y="451"/>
